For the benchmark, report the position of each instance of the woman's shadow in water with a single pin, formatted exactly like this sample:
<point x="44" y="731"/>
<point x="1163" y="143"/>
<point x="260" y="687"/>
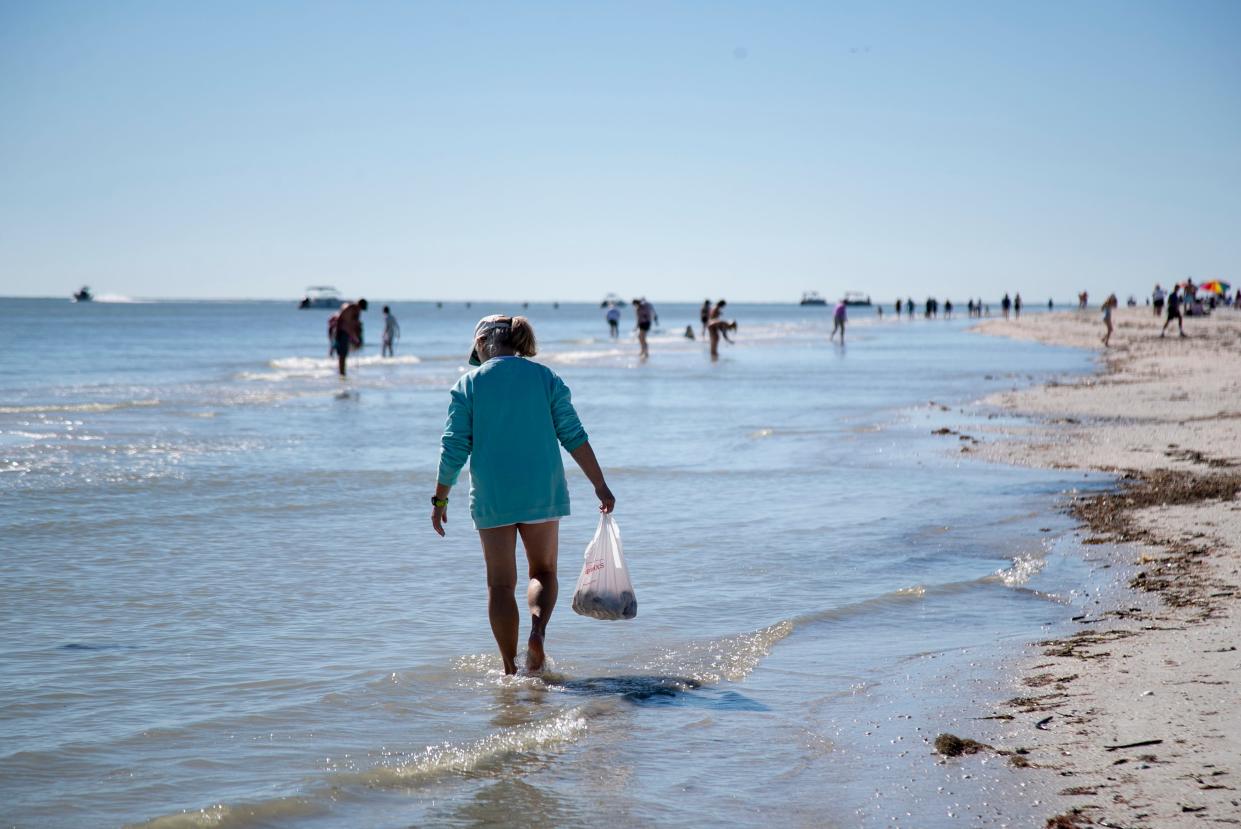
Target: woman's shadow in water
<point x="659" y="690"/>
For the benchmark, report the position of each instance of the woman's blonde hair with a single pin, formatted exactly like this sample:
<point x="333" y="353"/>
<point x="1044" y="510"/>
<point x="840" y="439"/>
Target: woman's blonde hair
<point x="521" y="338"/>
<point x="517" y="334"/>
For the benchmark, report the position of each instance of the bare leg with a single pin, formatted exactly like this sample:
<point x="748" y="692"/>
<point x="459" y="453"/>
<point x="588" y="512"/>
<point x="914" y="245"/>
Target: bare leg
<point x="642" y="342"/>
<point x="499" y="550"/>
<point x="542" y="542"/>
<point x="340" y="361"/>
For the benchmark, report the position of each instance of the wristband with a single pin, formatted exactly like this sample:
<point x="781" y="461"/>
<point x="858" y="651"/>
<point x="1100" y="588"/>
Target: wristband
<point x="439" y="502"/>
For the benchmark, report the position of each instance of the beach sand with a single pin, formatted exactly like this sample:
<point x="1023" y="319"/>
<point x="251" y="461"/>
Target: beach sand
<point x="1138" y="712"/>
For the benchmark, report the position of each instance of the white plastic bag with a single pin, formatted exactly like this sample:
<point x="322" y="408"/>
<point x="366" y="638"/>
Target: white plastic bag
<point x="604" y="590"/>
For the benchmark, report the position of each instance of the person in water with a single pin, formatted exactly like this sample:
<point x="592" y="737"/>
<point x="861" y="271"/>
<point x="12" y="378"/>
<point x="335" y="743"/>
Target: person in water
<point x="717" y="328"/>
<point x="613" y="317"/>
<point x="348" y="331"/>
<point x="645" y="313"/>
<point x="704" y="314"/>
<point x="392" y="332"/>
<point x="838" y="321"/>
<point x="509" y="417"/>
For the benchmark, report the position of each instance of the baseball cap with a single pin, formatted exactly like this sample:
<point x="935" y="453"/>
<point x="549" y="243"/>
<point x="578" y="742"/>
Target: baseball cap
<point x="486" y="324"/>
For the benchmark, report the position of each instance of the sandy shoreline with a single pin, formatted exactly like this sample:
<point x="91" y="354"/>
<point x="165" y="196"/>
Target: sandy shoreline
<point x="1138" y="712"/>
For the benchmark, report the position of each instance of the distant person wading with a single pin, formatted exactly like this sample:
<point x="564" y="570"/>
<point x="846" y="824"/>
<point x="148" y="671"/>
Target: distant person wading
<point x="509" y="417"/>
<point x="347" y="330"/>
<point x="645" y="314"/>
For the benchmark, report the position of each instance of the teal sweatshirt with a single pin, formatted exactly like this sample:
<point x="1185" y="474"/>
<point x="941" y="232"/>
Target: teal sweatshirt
<point x="509" y="417"/>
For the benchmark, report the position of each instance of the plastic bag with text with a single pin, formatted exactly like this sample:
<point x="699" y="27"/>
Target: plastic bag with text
<point x="604" y="590"/>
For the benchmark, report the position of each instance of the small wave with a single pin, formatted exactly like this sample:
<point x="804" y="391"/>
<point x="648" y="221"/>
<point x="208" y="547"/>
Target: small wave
<point x="575" y="357"/>
<point x="478" y="755"/>
<point x="731" y="658"/>
<point x="238" y="815"/>
<point x="312" y="363"/>
<point x="1022" y="570"/>
<point x="78" y="407"/>
<point x="287" y="368"/>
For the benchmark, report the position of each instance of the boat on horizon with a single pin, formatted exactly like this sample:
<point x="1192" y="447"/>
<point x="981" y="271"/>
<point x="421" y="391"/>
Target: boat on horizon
<point x="812" y="298"/>
<point x="321" y="296"/>
<point x="856" y="298"/>
<point x="83" y="295"/>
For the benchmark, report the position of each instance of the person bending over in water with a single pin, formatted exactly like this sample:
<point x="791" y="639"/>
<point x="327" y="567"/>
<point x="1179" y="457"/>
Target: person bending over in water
<point x="717" y="328"/>
<point x="348" y="330"/>
<point x="838" y="321"/>
<point x="509" y="417"/>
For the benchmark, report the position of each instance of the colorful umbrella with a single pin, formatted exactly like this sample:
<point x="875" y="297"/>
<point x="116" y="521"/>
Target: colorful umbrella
<point x="1215" y="286"/>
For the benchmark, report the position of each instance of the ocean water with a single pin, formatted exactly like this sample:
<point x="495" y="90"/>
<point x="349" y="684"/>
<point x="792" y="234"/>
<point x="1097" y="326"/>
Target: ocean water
<point x="222" y="603"/>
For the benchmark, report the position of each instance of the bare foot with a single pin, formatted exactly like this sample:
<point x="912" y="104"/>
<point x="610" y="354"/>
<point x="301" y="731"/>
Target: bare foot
<point x="534" y="653"/>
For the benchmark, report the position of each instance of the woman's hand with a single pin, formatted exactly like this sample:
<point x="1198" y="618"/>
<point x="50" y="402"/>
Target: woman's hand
<point x="439" y="517"/>
<point x="607" y="502"/>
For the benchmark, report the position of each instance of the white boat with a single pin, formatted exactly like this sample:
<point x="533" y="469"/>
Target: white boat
<point x="321" y="296"/>
<point x="812" y="298"/>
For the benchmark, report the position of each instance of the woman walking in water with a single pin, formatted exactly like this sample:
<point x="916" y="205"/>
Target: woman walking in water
<point x="509" y="417"/>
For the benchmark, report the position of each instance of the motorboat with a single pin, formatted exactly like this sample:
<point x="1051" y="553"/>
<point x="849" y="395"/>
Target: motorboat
<point x="856" y="298"/>
<point x="612" y="301"/>
<point x="321" y="296"/>
<point x="812" y="298"/>
<point x="83" y="295"/>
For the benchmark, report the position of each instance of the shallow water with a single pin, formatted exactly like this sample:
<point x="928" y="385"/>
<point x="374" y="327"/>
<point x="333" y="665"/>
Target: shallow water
<point x="222" y="602"/>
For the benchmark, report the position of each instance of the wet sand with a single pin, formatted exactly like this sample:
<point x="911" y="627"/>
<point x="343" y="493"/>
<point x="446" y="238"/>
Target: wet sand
<point x="1138" y="712"/>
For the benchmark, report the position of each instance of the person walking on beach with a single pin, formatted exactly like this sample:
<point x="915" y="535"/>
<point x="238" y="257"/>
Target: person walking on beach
<point x="1157" y="298"/>
<point x="509" y="417"/>
<point x="1017" y="306"/>
<point x="392" y="332"/>
<point x="838" y="321"/>
<point x="645" y="313"/>
<point x="1005" y="305"/>
<point x="909" y="308"/>
<point x="1174" y="312"/>
<point x="898" y="309"/>
<point x="704" y="314"/>
<point x="348" y="330"/>
<point x="1108" y="304"/>
<point x="613" y="316"/>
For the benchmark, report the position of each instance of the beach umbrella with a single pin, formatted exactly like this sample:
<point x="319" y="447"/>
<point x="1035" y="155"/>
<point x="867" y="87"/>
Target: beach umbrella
<point x="1215" y="286"/>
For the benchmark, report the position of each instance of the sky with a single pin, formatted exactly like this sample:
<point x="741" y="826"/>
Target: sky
<point x="559" y="151"/>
